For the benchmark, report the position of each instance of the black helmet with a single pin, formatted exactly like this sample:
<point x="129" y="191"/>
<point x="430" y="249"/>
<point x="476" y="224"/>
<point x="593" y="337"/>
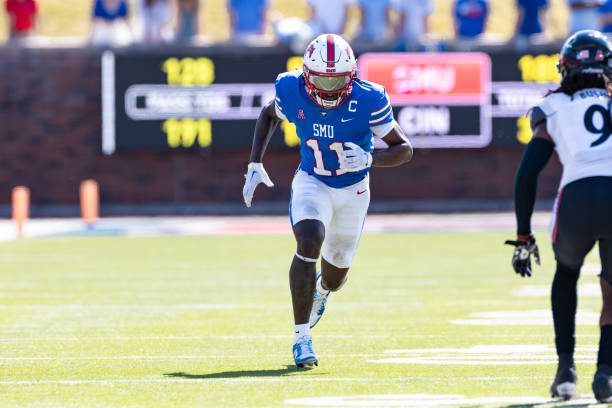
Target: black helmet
<point x="585" y="52"/>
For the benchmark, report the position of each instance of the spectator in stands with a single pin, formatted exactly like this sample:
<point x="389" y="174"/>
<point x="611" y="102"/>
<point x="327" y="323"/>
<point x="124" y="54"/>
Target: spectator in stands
<point x="22" y="18"/>
<point x="413" y="22"/>
<point x="329" y="16"/>
<point x="110" y="23"/>
<point x="605" y="17"/>
<point x="293" y="32"/>
<point x="248" y="18"/>
<point x="155" y="15"/>
<point x="187" y="24"/>
<point x="470" y="18"/>
<point x="374" y="21"/>
<point x="583" y="14"/>
<point x="528" y="24"/>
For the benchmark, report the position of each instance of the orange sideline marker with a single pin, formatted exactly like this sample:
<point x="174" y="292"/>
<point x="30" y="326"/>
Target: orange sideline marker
<point x="90" y="201"/>
<point x="21" y="207"/>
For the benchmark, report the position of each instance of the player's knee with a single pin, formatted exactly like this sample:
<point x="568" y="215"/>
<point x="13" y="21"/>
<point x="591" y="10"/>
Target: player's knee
<point x="310" y="246"/>
<point x="309" y="235"/>
<point x="566" y="272"/>
<point x="606" y="310"/>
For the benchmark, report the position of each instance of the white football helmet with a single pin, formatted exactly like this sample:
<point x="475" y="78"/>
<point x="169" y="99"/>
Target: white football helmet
<point x="329" y="70"/>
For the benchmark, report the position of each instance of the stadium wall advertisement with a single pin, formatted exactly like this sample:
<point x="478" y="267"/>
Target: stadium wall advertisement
<point x="441" y="100"/>
<point x="174" y="126"/>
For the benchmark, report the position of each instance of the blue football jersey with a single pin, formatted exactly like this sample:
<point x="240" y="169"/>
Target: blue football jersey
<point x="323" y="132"/>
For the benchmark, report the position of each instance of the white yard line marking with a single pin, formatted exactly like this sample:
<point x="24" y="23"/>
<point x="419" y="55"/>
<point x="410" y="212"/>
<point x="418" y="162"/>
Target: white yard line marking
<point x="253" y="337"/>
<point x="477" y="355"/>
<point x="298" y="377"/>
<point x="199" y="357"/>
<point x="346" y="305"/>
<point x="523" y="318"/>
<point x="82" y="306"/>
<point x="488" y="349"/>
<point x="464" y="362"/>
<point x="414" y="400"/>
<point x="181" y="338"/>
<point x="484" y="355"/>
<point x="584" y="290"/>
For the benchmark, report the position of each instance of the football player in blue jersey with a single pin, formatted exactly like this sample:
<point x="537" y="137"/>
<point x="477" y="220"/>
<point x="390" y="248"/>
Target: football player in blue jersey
<point x="336" y="116"/>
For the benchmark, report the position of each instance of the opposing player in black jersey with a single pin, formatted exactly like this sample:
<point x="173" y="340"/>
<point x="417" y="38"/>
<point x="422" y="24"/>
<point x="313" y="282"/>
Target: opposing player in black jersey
<point x="575" y="121"/>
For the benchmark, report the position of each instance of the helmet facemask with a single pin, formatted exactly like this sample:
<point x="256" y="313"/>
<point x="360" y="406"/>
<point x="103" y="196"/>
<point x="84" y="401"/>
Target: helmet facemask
<point x="328" y="90"/>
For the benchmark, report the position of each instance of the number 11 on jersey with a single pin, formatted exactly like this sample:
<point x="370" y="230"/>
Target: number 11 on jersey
<point x="319" y="168"/>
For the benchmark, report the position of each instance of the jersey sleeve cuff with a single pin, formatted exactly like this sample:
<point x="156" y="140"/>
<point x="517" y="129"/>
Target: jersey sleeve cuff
<point x="279" y="111"/>
<point x="384" y="129"/>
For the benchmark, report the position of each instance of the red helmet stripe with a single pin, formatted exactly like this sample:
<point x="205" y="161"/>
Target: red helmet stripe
<point x="331" y="51"/>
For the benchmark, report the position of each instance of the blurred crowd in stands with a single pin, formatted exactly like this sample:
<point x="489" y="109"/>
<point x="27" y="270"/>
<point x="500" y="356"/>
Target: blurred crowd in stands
<point x="396" y="25"/>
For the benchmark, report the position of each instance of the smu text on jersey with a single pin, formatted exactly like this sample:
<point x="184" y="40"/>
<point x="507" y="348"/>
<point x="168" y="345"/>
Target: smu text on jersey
<point x="321" y="130"/>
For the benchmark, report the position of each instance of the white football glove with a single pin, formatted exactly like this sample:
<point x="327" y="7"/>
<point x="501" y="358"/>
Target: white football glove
<point x="255" y="174"/>
<point x="355" y="158"/>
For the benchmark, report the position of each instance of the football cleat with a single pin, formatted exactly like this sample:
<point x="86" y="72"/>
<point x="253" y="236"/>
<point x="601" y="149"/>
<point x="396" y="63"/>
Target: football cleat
<point x="564" y="386"/>
<point x="318" y="305"/>
<point x="303" y="354"/>
<point x="602" y="383"/>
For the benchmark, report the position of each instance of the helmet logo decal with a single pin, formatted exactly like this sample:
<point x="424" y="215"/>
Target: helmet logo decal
<point x="310" y="50"/>
<point x="331" y="51"/>
<point x="582" y="55"/>
<point x="599" y="55"/>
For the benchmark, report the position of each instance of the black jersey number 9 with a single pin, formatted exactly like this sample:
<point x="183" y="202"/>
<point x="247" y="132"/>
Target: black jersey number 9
<point x="605" y="128"/>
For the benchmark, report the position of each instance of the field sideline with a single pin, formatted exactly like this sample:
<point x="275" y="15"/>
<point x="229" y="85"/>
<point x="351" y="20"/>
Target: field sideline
<point x="427" y="319"/>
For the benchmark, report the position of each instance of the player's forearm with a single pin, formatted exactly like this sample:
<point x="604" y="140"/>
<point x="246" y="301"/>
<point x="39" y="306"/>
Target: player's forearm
<point x="264" y="129"/>
<point x="393" y="156"/>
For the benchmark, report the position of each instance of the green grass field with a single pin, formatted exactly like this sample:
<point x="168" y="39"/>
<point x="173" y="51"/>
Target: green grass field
<point x="206" y="321"/>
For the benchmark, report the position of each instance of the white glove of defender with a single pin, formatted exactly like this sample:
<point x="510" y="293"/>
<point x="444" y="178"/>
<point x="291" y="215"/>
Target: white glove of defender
<point x="354" y="159"/>
<point x="255" y="174"/>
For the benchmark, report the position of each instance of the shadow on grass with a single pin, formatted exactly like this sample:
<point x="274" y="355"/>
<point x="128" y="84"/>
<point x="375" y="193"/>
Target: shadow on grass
<point x="287" y="371"/>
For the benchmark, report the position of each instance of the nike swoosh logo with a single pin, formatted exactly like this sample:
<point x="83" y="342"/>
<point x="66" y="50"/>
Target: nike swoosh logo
<point x="361" y="192"/>
<point x="346" y="120"/>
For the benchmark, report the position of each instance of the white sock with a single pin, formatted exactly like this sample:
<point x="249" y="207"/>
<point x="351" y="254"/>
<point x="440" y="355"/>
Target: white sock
<point x="319" y="286"/>
<point x="300" y="331"/>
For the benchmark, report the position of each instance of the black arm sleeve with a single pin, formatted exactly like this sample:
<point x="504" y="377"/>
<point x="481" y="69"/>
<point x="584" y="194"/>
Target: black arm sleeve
<point x="534" y="159"/>
<point x="536" y="116"/>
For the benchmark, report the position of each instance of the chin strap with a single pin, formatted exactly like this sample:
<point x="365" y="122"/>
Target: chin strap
<point x="321" y="102"/>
